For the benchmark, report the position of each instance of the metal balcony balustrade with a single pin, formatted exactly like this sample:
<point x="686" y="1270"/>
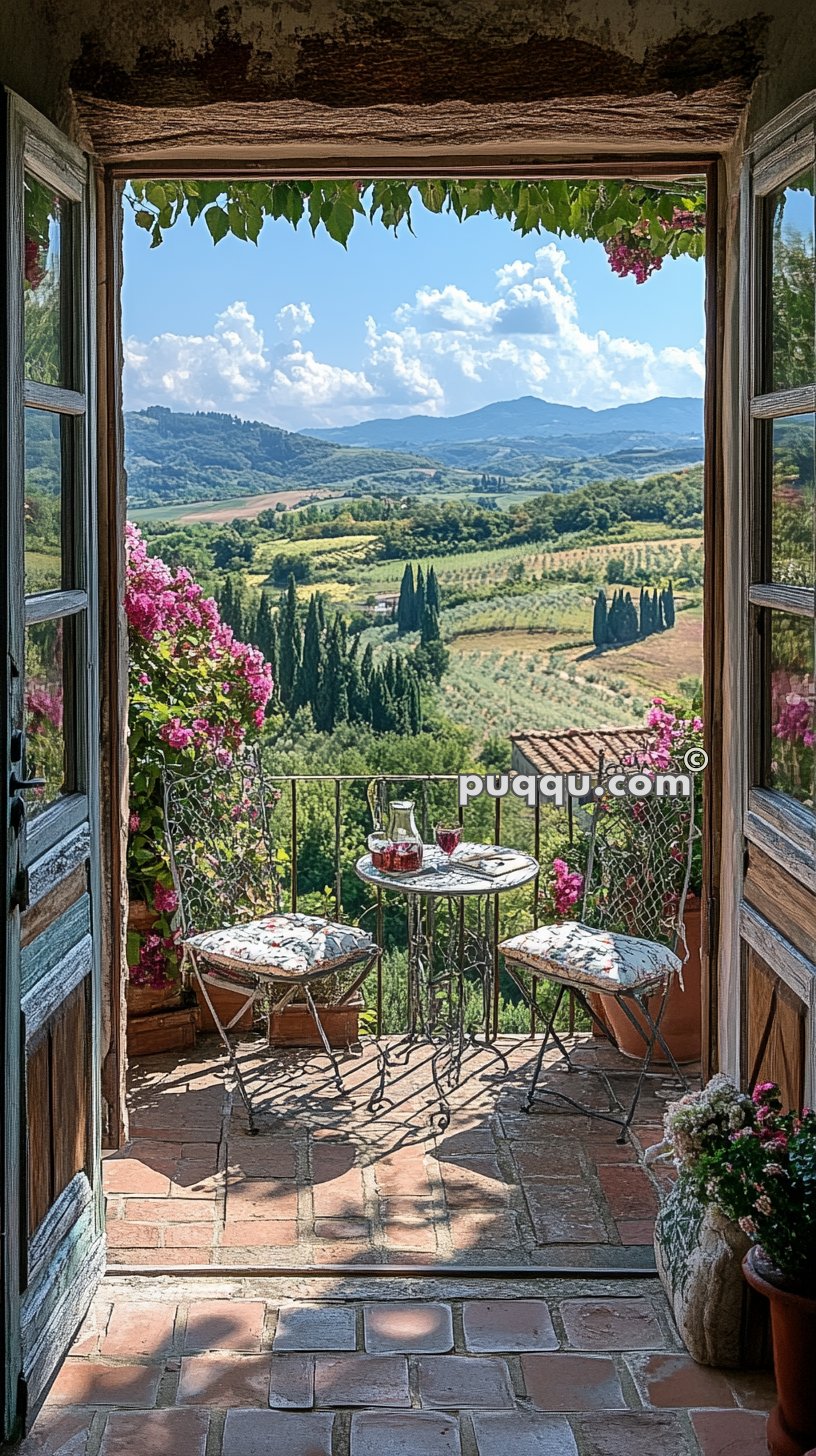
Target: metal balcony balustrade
<point x="376" y="790"/>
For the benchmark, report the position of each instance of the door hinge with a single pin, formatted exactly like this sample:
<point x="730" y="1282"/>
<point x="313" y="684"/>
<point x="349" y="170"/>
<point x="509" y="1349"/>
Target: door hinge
<point x="21" y="894"/>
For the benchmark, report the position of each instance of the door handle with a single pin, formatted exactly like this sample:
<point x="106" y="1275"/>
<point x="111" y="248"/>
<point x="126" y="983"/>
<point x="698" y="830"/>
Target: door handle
<point x="16" y="784"/>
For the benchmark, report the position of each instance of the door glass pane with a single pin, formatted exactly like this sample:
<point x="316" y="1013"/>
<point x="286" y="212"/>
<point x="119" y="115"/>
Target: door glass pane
<point x="792" y="706"/>
<point x="793" y="513"/>
<point x="45" y="435"/>
<point x="45" y="703"/>
<point x="43" y="309"/>
<point x="793" y="345"/>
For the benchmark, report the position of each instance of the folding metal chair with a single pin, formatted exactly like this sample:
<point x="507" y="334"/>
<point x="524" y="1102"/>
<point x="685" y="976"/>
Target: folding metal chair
<point x="638" y="868"/>
<point x="233" y="933"/>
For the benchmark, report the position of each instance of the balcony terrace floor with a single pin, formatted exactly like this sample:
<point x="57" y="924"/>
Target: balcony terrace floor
<point x="326" y="1182"/>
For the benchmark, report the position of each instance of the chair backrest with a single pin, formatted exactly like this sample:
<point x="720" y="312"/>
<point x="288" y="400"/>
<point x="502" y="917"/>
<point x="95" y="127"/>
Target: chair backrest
<point x="222" y="853"/>
<point x="639" y="864"/>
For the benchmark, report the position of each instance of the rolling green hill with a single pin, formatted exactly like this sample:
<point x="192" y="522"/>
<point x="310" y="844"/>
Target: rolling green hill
<point x="182" y="457"/>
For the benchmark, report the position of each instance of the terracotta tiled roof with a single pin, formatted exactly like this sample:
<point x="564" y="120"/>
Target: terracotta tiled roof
<point x="576" y="751"/>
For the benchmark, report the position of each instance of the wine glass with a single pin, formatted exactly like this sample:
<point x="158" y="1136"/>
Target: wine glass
<point x="448" y="835"/>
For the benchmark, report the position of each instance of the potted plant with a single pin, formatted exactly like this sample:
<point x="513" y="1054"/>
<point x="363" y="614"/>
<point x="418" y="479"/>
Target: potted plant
<point x="699" y="1247"/>
<point x="194" y="691"/>
<point x="764" y="1177"/>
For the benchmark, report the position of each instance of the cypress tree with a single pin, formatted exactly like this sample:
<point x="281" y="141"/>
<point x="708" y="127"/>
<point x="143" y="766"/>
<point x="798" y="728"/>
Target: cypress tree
<point x="382" y="709"/>
<point x="668" y="605"/>
<point x="389" y="673"/>
<point x="599" y="636"/>
<point x="367" y="666"/>
<point x="432" y="590"/>
<point x="419" y="600"/>
<point x="289" y="645"/>
<point x="322" y="707"/>
<point x="414" y="704"/>
<point x="309" y="675"/>
<point x="405" y="605"/>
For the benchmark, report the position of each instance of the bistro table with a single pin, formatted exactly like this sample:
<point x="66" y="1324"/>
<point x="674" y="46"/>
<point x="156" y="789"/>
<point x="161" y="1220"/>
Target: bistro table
<point x="440" y="965"/>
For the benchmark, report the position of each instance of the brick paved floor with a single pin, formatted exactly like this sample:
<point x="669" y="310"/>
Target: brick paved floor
<point x="400" y="1366"/>
<point x="325" y="1182"/>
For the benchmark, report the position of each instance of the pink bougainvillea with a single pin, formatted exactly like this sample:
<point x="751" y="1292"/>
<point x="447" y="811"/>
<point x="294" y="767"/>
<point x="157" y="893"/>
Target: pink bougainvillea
<point x="195" y="691"/>
<point x="632" y="251"/>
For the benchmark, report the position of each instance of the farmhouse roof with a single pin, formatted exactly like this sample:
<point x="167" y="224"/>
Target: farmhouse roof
<point x="575" y="751"/>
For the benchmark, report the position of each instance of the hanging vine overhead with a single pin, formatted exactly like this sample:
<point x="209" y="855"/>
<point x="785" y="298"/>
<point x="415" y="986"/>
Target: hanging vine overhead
<point x="638" y="224"/>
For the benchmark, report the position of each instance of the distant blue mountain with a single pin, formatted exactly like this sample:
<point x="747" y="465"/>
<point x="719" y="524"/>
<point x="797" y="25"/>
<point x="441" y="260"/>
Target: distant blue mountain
<point x="657" y="422"/>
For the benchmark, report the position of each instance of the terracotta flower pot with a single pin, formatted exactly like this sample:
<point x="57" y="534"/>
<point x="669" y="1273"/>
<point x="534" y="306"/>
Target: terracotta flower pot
<point x="682" y="1025"/>
<point x="792" y="1422"/>
<point x="143" y="999"/>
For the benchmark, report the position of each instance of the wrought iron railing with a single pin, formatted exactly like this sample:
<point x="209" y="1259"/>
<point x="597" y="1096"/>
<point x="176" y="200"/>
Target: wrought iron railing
<point x="295" y="786"/>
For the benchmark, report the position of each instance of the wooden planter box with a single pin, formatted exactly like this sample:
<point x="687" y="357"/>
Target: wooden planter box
<point x="162" y="1031"/>
<point x="294" y="1027"/>
<point x="226" y="1004"/>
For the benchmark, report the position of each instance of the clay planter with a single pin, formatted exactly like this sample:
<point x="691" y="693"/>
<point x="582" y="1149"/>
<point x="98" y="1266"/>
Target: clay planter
<point x="792" y="1422"/>
<point x="698" y="1253"/>
<point x="294" y="1027"/>
<point x="226" y="1003"/>
<point x="142" y="1000"/>
<point x="682" y="1020"/>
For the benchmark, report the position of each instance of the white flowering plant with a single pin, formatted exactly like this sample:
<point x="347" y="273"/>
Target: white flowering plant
<point x="757" y="1163"/>
<point x="702" y="1123"/>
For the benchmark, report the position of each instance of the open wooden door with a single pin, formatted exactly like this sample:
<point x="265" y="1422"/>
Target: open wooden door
<point x="53" y="1242"/>
<point x="778" y="910"/>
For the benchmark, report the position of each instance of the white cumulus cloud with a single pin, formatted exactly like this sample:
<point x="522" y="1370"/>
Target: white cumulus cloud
<point x="445" y="351"/>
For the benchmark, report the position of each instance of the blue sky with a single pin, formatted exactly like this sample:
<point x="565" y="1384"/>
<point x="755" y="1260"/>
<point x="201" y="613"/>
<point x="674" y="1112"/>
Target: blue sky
<point x="300" y="333"/>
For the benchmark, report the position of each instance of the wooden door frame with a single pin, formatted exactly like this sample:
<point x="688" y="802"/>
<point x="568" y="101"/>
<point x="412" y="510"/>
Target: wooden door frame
<point x="215" y="162"/>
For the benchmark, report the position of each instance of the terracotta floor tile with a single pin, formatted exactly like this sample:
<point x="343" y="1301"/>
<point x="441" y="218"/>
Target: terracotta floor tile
<point x="463" y="1382"/>
<point x="611" y="1324"/>
<point x="122" y="1234"/>
<point x="291" y="1382"/>
<point x="362" y="1380"/>
<point x="261" y="1198"/>
<point x="159" y="1210"/>
<point x="628" y="1191"/>
<point x="677" y="1381"/>
<point x="636" y="1231"/>
<point x="730" y="1432"/>
<point x="179" y="1236"/>
<point x="57" y="1433"/>
<point x="551" y="1158"/>
<point x="265" y="1433"/>
<point x="84" y="1382"/>
<point x="156" y="1433"/>
<point x="634" y="1433"/>
<point x="224" y="1380"/>
<point x="496" y="1325"/>
<point x="572" y="1382"/>
<point x="129" y="1175"/>
<point x="403" y="1433"/>
<point x="139" y="1329"/>
<point x="262" y="1157"/>
<point x="316" y="1327"/>
<point x="754" y="1389"/>
<point x="565" y="1213"/>
<point x="410" y="1233"/>
<point x="342" y="1228"/>
<point x="260" y="1234"/>
<point x="521" y="1433"/>
<point x="406" y="1328"/>
<point x="342" y="1195"/>
<point x="224" y="1324"/>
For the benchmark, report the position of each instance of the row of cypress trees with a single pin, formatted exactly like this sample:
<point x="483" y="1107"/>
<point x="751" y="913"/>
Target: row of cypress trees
<point x="319" y="664"/>
<point x="415" y="595"/>
<point x="621" y="621"/>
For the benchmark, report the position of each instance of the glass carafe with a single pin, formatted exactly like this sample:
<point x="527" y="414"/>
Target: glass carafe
<point x="406" y="840"/>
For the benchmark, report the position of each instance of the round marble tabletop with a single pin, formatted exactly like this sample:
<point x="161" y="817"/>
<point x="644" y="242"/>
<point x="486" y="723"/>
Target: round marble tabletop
<point x="482" y="875"/>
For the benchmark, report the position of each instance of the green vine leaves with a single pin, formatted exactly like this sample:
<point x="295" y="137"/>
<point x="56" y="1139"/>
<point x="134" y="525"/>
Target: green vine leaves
<point x="667" y="220"/>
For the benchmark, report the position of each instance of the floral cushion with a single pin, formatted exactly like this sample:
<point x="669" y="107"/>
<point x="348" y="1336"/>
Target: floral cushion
<point x="284" y="946"/>
<point x="600" y="958"/>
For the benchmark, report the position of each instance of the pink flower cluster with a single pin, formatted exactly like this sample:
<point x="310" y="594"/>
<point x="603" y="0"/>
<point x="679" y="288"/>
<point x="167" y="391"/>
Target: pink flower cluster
<point x="153" y="966"/>
<point x="44" y="704"/>
<point x="566" y="887"/>
<point x="165" y="901"/>
<point x="160" y="600"/>
<point x="629" y="252"/>
<point x="795" y="722"/>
